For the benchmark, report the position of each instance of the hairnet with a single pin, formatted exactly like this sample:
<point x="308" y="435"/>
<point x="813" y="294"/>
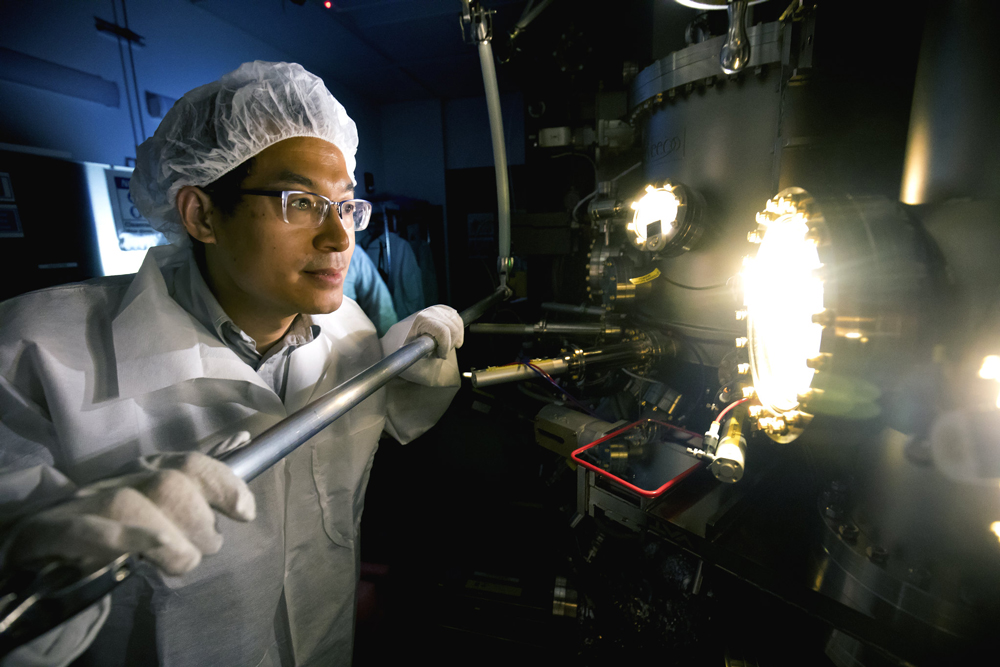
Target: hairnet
<point x="216" y="127"/>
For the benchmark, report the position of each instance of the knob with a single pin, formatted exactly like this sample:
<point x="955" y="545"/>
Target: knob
<point x="736" y="51"/>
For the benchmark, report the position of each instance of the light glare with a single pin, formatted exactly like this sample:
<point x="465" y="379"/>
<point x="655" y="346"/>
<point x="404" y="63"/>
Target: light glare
<point x="657" y="205"/>
<point x="991" y="368"/>
<point x="782" y="291"/>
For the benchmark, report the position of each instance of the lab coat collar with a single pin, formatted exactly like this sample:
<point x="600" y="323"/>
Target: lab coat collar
<point x="158" y="344"/>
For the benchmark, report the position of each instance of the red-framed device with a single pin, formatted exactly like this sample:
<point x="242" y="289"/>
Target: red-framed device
<point x="647" y="493"/>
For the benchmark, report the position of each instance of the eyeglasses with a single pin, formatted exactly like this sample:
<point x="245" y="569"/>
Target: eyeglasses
<point x="308" y="209"/>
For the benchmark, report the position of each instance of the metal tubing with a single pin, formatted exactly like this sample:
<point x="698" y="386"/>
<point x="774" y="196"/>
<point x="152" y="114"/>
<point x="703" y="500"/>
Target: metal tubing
<point x="541" y="328"/>
<point x="596" y="311"/>
<point x="517" y="372"/>
<point x="284" y="437"/>
<point x="499" y="153"/>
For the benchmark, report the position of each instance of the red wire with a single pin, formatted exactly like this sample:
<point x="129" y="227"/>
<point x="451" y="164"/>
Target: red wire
<point x="730" y="407"/>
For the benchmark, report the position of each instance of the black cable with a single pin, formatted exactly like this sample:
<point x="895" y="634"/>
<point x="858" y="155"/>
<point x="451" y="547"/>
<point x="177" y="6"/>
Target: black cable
<point x="121" y="55"/>
<point x="135" y="82"/>
<point x="691" y="287"/>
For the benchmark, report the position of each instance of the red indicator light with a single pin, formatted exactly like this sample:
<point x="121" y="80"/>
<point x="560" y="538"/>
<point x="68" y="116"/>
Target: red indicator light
<point x="328" y="4"/>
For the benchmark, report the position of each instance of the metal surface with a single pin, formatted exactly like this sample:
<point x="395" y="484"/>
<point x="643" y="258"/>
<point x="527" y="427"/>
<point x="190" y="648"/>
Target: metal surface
<point x="953" y="147"/>
<point x="563" y="430"/>
<point x="281" y="439"/>
<point x="701" y="61"/>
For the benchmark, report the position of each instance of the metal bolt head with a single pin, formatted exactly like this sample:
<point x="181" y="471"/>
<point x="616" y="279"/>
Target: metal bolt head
<point x="849" y="532"/>
<point x="877" y="555"/>
<point x="833" y="511"/>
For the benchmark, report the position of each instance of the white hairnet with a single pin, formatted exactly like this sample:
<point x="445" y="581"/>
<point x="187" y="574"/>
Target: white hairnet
<point x="216" y="127"/>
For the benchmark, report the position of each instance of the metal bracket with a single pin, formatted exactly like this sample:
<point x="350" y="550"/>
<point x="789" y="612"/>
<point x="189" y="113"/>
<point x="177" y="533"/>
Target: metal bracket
<point x="476" y="22"/>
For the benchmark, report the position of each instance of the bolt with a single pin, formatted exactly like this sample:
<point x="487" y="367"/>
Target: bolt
<point x="833" y="511"/>
<point x="849" y="532"/>
<point x="877" y="555"/>
<point x="838" y="486"/>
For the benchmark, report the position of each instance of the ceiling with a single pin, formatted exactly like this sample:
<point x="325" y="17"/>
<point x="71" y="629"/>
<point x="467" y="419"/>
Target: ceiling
<point x="383" y="50"/>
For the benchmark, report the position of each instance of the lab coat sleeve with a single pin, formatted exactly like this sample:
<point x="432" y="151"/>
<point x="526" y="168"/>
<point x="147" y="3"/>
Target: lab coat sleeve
<point x="30" y="481"/>
<point x="418" y="397"/>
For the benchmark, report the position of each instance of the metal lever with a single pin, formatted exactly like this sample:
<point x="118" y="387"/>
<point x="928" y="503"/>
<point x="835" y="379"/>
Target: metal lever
<point x="34" y="602"/>
<point x="735" y="52"/>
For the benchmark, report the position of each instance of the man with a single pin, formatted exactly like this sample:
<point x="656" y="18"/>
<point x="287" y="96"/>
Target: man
<point x="113" y="391"/>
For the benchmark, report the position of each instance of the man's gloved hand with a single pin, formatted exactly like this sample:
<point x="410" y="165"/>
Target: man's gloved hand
<point x="443" y="324"/>
<point x="162" y="512"/>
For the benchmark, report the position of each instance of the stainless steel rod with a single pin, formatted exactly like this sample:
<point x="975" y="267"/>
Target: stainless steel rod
<point x="284" y="437"/>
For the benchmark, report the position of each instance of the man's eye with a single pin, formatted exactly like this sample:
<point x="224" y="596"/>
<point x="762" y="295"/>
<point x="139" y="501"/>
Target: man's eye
<point x="347" y="208"/>
<point x="301" y="204"/>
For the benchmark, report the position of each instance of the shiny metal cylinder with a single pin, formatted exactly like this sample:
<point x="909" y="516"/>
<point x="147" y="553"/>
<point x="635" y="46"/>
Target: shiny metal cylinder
<point x="284" y="437"/>
<point x="953" y="147"/>
<point x="516" y="372"/>
<point x="542" y="328"/>
<point x="499" y="148"/>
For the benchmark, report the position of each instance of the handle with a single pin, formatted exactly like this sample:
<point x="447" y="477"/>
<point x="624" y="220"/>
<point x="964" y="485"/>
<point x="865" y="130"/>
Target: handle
<point x="736" y="51"/>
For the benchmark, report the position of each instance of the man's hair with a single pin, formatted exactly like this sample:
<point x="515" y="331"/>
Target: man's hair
<point x="225" y="195"/>
<point x="225" y="190"/>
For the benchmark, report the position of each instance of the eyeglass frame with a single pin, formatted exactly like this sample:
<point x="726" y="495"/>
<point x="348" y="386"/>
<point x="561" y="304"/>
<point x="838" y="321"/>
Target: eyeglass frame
<point x="329" y="203"/>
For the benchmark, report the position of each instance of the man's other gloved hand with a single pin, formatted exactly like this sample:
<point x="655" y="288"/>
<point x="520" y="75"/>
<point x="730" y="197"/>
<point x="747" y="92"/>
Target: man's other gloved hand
<point x="443" y="324"/>
<point x="162" y="512"/>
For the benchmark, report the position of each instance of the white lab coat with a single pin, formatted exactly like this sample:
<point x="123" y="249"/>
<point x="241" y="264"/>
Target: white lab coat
<point x="94" y="375"/>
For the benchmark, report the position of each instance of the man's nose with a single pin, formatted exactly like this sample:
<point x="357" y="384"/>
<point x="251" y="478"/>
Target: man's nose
<point x="331" y="236"/>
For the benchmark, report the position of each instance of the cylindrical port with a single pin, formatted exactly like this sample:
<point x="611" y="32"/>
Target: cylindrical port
<point x="515" y="372"/>
<point x="730" y="454"/>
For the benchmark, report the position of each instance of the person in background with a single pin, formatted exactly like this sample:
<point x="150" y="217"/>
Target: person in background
<point x="115" y="394"/>
<point x="365" y="285"/>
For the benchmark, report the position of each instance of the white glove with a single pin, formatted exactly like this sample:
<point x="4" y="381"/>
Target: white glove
<point x="443" y="324"/>
<point x="162" y="512"/>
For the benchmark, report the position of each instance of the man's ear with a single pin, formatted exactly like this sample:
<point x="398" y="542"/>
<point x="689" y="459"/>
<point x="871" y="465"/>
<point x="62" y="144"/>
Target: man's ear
<point x="197" y="213"/>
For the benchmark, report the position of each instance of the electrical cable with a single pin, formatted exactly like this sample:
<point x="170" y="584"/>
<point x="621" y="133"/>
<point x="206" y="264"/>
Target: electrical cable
<point x="135" y="82"/>
<point x="555" y="384"/>
<point x="730" y="407"/>
<point x="627" y="171"/>
<point x="691" y="287"/>
<point x="585" y="157"/>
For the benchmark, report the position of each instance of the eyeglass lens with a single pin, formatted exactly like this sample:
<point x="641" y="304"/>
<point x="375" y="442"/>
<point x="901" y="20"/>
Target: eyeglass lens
<point x="309" y="210"/>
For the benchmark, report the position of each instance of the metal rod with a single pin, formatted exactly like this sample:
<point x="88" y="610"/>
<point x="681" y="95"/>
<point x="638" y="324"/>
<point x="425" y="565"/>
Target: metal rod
<point x="499" y="153"/>
<point x="284" y="437"/>
<point x="541" y="328"/>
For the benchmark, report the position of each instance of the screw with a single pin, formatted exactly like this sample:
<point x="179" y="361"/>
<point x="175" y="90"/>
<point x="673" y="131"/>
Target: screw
<point x="877" y="555"/>
<point x="849" y="532"/>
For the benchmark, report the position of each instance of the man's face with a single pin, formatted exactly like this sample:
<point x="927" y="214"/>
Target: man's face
<point x="266" y="266"/>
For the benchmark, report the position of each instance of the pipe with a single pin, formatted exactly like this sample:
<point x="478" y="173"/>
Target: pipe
<point x="576" y="362"/>
<point x="284" y="437"/>
<point x="597" y="311"/>
<point x="543" y="327"/>
<point x="499" y="150"/>
<point x="953" y="147"/>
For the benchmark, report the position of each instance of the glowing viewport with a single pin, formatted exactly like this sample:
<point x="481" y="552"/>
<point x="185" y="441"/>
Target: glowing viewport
<point x="995" y="527"/>
<point x="781" y="294"/>
<point x="655" y="213"/>
<point x="991" y="371"/>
